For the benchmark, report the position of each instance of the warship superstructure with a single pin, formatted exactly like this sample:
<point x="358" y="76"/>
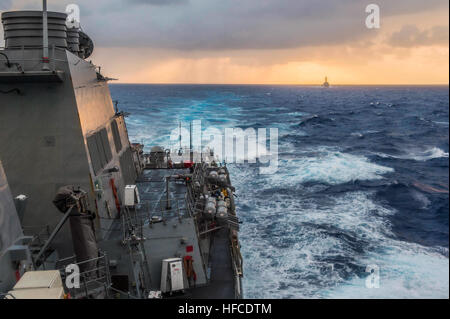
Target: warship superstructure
<point x="74" y="191"/>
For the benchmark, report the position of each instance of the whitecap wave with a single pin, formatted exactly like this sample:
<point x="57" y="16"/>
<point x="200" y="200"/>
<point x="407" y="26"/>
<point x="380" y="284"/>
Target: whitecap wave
<point x="296" y="260"/>
<point x="303" y="248"/>
<point x="296" y="113"/>
<point x="327" y="166"/>
<point x="357" y="134"/>
<point x="407" y="271"/>
<point x="418" y="155"/>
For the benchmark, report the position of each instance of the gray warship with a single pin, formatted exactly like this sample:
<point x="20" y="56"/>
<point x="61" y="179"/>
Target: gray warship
<point x="85" y="213"/>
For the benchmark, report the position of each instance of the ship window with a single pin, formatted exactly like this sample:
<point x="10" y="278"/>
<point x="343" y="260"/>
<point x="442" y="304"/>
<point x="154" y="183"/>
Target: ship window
<point x="106" y="146"/>
<point x="99" y="150"/>
<point x="116" y="136"/>
<point x="93" y="152"/>
<point x="127" y="167"/>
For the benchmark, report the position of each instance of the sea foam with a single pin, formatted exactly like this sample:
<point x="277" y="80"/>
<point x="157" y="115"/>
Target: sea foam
<point x="327" y="166"/>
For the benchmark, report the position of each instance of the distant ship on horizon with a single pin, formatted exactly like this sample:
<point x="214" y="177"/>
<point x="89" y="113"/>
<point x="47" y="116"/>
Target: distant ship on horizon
<point x="326" y="84"/>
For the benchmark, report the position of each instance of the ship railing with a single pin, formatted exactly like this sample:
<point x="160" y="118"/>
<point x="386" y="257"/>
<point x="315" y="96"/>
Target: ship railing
<point x="237" y="269"/>
<point x="22" y="60"/>
<point x="183" y="154"/>
<point x="237" y="257"/>
<point x="94" y="277"/>
<point x="238" y="287"/>
<point x="179" y="155"/>
<point x="191" y="201"/>
<point x="198" y="176"/>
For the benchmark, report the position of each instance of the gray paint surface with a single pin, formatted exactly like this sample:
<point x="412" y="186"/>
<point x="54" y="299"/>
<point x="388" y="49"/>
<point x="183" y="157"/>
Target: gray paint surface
<point x="10" y="229"/>
<point x="41" y="145"/>
<point x="43" y="141"/>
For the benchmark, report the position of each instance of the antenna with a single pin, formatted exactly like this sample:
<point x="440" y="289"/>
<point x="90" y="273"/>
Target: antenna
<point x="45" y="59"/>
<point x="190" y="142"/>
<point x="180" y="151"/>
<point x="179" y="133"/>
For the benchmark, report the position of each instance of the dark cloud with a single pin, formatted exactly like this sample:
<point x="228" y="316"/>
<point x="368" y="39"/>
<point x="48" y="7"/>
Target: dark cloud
<point x="159" y="2"/>
<point x="215" y="25"/>
<point x="412" y="36"/>
<point x="241" y="25"/>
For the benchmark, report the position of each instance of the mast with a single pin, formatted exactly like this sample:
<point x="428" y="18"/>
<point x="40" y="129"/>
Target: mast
<point x="190" y="143"/>
<point x="45" y="59"/>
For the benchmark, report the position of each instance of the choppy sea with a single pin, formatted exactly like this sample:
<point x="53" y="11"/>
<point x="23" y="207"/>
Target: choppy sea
<point x="362" y="183"/>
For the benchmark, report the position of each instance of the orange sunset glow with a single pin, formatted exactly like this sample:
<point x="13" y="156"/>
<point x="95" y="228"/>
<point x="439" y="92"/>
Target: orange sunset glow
<point x="410" y="47"/>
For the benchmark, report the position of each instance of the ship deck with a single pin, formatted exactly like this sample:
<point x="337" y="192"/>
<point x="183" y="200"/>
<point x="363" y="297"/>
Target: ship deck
<point x="151" y="187"/>
<point x="222" y="279"/>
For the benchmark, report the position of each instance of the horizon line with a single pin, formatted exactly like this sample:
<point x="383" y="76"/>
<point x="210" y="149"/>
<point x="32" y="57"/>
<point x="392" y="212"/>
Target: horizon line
<point x="280" y="84"/>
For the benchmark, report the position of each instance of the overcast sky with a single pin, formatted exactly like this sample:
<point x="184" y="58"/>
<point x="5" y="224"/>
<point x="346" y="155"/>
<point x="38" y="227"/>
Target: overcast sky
<point x="264" y="41"/>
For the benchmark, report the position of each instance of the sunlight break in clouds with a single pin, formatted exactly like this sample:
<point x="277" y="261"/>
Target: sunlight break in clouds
<point x="279" y="42"/>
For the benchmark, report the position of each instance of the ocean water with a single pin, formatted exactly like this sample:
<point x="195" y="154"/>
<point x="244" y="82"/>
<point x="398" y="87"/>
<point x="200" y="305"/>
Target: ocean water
<point x="362" y="181"/>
